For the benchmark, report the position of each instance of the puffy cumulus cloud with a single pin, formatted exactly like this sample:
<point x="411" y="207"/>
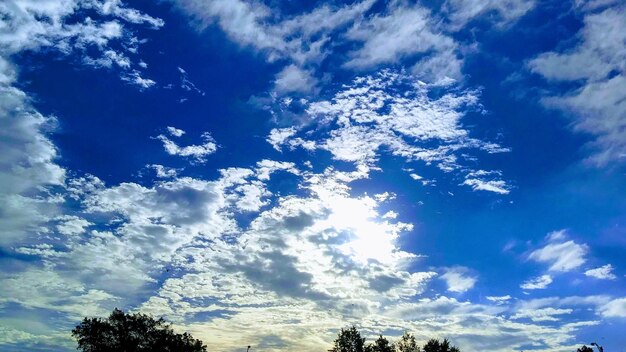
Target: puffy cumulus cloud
<point x="596" y="66"/>
<point x="147" y="225"/>
<point x="537" y="283"/>
<point x="30" y="177"/>
<point x="63" y="25"/>
<point x="70" y="225"/>
<point x="197" y="153"/>
<point x="302" y="267"/>
<point x="161" y="218"/>
<point x="369" y="117"/>
<point x="458" y="279"/>
<point x="278" y="136"/>
<point x="328" y="255"/>
<point x="300" y="270"/>
<point x="561" y="254"/>
<point x="604" y="272"/>
<point x="27" y="167"/>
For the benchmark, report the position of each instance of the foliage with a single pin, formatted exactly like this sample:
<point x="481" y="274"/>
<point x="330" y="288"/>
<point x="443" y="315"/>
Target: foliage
<point x="132" y="333"/>
<point x="407" y="343"/>
<point x="349" y="340"/>
<point x="585" y="349"/>
<point x="380" y="345"/>
<point x="434" y="345"/>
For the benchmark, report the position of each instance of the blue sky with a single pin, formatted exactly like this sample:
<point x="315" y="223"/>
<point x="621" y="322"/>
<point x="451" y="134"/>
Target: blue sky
<point x="266" y="172"/>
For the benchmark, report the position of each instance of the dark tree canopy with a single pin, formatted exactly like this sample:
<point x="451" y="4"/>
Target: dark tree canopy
<point x="585" y="349"/>
<point x="349" y="340"/>
<point x="434" y="345"/>
<point x="380" y="345"/>
<point x="137" y="332"/>
<point x="407" y="343"/>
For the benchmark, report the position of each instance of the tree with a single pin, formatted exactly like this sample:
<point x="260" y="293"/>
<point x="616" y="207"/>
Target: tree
<point x="434" y="345"/>
<point x="407" y="343"/>
<point x="349" y="340"/>
<point x="380" y="345"/>
<point x="132" y="333"/>
<point x="585" y="349"/>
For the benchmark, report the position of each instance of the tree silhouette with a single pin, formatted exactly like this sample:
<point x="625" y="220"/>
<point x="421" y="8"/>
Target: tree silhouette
<point x="132" y="333"/>
<point x="380" y="345"/>
<point x="585" y="349"/>
<point x="407" y="343"/>
<point x="434" y="345"/>
<point x="349" y="340"/>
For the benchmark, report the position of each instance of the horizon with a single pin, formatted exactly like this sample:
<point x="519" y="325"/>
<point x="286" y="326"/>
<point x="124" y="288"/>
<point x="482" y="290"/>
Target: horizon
<point x="274" y="171"/>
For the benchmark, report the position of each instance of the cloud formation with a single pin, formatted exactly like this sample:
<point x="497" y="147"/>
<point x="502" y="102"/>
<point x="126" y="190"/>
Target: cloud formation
<point x="197" y="153"/>
<point x="561" y="254"/>
<point x="596" y="67"/>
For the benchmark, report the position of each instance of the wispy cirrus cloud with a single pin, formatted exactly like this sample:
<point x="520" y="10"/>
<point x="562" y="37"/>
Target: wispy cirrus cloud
<point x="560" y="253"/>
<point x="596" y="67"/>
<point x="537" y="283"/>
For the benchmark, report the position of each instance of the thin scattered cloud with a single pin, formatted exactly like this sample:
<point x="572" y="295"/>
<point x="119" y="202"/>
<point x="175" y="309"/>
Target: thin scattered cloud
<point x="596" y="66"/>
<point x="538" y="283"/>
<point x="198" y="153"/>
<point x="561" y="254"/>
<point x="604" y="272"/>
<point x="458" y="279"/>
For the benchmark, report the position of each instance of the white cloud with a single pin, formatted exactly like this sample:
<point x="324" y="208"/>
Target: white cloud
<point x="506" y="11"/>
<point x="28" y="169"/>
<point x="596" y="64"/>
<point x="490" y="181"/>
<point x="537" y="283"/>
<point x="543" y="314"/>
<point x="499" y="299"/>
<point x="404" y="32"/>
<point x="278" y="136"/>
<point x="560" y="254"/>
<point x="614" y="309"/>
<point x="254" y="24"/>
<point x="369" y="117"/>
<point x="294" y="79"/>
<point x="175" y="132"/>
<point x="45" y="289"/>
<point x="604" y="272"/>
<point x="164" y="171"/>
<point x="70" y="225"/>
<point x="197" y="152"/>
<point x="458" y="279"/>
<point x="64" y="26"/>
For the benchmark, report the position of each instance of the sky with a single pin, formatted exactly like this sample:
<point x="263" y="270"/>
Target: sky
<point x="265" y="173"/>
